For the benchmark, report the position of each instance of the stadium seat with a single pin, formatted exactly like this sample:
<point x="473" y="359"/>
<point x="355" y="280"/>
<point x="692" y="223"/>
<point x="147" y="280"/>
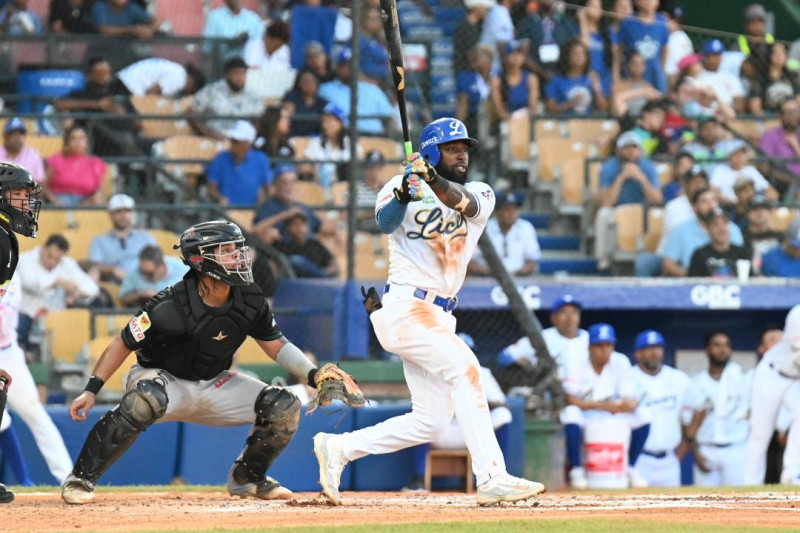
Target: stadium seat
<point x="310" y="193"/>
<point x="519" y="138"/>
<point x="749" y="129"/>
<point x="600" y="131"/>
<point x="251" y="353"/>
<point x="630" y="226"/>
<point x="390" y="148"/>
<point x="66" y="332"/>
<point x="372" y="256"/>
<point x="300" y="144"/>
<point x="189" y="147"/>
<point x="113" y="290"/>
<point x="79" y="240"/>
<point x="51" y="221"/>
<point x="97" y="220"/>
<point x="110" y="324"/>
<point x="166" y="239"/>
<point x="339" y="193"/>
<point x="45" y="145"/>
<point x="655" y="228"/>
<point x="159" y="105"/>
<point x="553" y="151"/>
<point x="781" y="218"/>
<point x="548" y="129"/>
<point x="115" y="386"/>
<point x="242" y="218"/>
<point x="573" y="181"/>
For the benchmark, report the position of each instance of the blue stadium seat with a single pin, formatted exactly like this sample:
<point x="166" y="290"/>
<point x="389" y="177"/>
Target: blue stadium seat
<point x="439" y="96"/>
<point x="51" y="83"/>
<point x="442" y="111"/>
<point x="539" y="220"/>
<point x="571" y="266"/>
<point x="559" y="242"/>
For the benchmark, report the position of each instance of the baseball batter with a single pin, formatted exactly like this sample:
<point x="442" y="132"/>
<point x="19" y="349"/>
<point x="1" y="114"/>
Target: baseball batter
<point x="25" y="400"/>
<point x="776" y="383"/>
<point x="601" y="386"/>
<point x="664" y="391"/>
<point x="185" y="339"/>
<point x="434" y="219"/>
<point x="720" y="398"/>
<point x="20" y="201"/>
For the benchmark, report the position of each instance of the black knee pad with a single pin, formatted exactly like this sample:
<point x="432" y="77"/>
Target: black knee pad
<point x="279" y="408"/>
<point x="145" y="404"/>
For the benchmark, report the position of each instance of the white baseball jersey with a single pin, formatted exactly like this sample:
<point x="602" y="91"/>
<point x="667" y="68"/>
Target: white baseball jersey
<point x="726" y="403"/>
<point x="433" y="245"/>
<point x="667" y="397"/>
<point x="9" y="312"/>
<point x="614" y="382"/>
<point x="561" y="348"/>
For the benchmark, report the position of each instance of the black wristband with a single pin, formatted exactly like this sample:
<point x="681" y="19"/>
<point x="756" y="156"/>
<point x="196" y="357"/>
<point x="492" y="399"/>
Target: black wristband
<point x="94" y="385"/>
<point x="311" y="375"/>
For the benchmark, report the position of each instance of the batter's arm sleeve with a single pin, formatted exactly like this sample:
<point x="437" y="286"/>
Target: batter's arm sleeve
<point x="389" y="212"/>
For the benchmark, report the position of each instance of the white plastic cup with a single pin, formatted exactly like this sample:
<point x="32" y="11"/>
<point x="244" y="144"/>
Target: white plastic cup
<point x="743" y="270"/>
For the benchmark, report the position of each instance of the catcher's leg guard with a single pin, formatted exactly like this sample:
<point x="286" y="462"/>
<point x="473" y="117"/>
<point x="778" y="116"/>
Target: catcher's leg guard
<point x="118" y="428"/>
<point x="277" y="418"/>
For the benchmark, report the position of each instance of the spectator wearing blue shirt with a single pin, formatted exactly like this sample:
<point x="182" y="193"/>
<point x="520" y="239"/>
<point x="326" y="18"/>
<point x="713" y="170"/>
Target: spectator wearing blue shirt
<point x="574" y="90"/>
<point x="473" y="86"/>
<point x="627" y="178"/>
<point x="122" y="18"/>
<point x="239" y="176"/>
<point x="114" y="253"/>
<point x="372" y="101"/>
<point x="153" y="274"/>
<point x="681" y="242"/>
<point x="647" y="33"/>
<point x="374" y="56"/>
<point x="272" y="215"/>
<point x="17" y="19"/>
<point x="784" y="260"/>
<point x="232" y="21"/>
<point x="602" y="40"/>
<point x="514" y="88"/>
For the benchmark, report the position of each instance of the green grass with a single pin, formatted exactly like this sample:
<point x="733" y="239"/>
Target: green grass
<point x="517" y="526"/>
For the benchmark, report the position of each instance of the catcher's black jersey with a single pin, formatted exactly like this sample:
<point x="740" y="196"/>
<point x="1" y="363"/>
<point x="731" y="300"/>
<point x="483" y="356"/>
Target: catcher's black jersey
<point x="9" y="255"/>
<point x="177" y="332"/>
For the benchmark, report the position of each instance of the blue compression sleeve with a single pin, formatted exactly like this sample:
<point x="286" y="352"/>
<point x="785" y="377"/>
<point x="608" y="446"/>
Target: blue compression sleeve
<point x="638" y="438"/>
<point x="574" y="441"/>
<point x="390" y="216"/>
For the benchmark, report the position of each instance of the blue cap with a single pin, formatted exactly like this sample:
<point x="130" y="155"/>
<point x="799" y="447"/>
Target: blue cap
<point x="567" y="299"/>
<point x="336" y="111"/>
<point x="713" y="46"/>
<point x="602" y="332"/>
<point x="16" y="124"/>
<point x="344" y="56"/>
<point x="283" y="167"/>
<point x="649" y="337"/>
<point x="512" y="46"/>
<point x="508" y="198"/>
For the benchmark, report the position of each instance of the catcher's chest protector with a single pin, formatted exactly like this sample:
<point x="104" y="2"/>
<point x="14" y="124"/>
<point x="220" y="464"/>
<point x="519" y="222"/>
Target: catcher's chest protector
<point x="9" y="255"/>
<point x="214" y="334"/>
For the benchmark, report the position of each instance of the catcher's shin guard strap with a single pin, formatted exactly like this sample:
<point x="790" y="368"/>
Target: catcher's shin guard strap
<point x="294" y="361"/>
<point x="277" y="418"/>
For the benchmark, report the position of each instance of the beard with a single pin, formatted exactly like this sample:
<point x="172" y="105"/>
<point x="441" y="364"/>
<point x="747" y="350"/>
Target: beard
<point x="233" y="87"/>
<point x="451" y="174"/>
<point x="652" y="366"/>
<point x="718" y="363"/>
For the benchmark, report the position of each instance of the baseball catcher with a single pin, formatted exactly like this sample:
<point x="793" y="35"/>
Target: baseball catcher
<point x="185" y="339"/>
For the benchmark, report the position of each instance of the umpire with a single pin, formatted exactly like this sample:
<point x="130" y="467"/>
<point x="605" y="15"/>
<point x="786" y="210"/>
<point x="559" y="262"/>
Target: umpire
<point x="20" y="201"/>
<point x="185" y="339"/>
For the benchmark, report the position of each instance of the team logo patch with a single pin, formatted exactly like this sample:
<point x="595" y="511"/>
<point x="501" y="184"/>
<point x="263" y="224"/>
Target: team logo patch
<point x="487" y="194"/>
<point x="138" y="325"/>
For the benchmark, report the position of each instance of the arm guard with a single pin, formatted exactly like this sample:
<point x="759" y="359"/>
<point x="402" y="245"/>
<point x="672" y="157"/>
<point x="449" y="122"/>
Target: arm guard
<point x="390" y="216"/>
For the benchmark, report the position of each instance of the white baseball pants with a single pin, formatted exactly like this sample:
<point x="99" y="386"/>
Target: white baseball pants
<point x="660" y="471"/>
<point x="443" y="376"/>
<point x="725" y="463"/>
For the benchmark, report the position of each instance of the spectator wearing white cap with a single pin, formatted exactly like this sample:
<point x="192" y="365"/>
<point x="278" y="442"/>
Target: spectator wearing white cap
<point x="14" y="150"/>
<point x="240" y="175"/>
<point x="626" y="178"/>
<point x="724" y="176"/>
<point x="115" y="253"/>
<point x="727" y="87"/>
<point x="513" y="238"/>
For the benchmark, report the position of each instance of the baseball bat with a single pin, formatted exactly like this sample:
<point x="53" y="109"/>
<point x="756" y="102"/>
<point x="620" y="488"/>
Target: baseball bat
<point x="391" y="28"/>
<point x="3" y="396"/>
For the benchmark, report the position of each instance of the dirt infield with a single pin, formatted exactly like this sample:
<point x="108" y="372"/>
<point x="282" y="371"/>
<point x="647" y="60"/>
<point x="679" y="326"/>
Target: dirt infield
<point x="188" y="511"/>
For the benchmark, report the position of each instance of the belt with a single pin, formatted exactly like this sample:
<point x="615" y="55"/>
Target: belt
<point x="781" y="373"/>
<point x="717" y="445"/>
<point x="448" y="304"/>
<point x="657" y="455"/>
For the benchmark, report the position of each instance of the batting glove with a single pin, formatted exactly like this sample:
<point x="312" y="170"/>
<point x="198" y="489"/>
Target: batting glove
<point x="418" y="165"/>
<point x="410" y="190"/>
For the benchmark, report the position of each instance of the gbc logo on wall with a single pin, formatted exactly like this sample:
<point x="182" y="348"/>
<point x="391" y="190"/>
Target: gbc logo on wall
<point x="531" y="295"/>
<point x="717" y="296"/>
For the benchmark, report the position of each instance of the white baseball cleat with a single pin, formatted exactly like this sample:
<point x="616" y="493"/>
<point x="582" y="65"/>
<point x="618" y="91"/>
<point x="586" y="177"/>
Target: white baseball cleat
<point x="577" y="478"/>
<point x="328" y="449"/>
<point x="507" y="488"/>
<point x="636" y="480"/>
<point x="77" y="491"/>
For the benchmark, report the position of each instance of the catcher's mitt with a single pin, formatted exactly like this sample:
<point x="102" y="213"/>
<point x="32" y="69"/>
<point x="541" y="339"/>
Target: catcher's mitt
<point x="333" y="383"/>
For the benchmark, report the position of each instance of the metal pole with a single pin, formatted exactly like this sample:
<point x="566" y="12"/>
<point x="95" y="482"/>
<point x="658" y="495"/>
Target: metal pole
<point x="354" y="166"/>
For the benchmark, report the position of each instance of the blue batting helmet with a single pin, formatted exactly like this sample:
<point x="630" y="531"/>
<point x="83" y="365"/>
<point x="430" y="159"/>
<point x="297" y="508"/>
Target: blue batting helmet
<point x="441" y="131"/>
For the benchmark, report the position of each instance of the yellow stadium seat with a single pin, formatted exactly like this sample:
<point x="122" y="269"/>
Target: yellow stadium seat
<point x="190" y="147"/>
<point x="519" y="137"/>
<point x="630" y="226"/>
<point x="110" y="324"/>
<point x="592" y="130"/>
<point x="339" y="192"/>
<point x="655" y="228"/>
<point x="115" y="386"/>
<point x="390" y="148"/>
<point x="67" y="331"/>
<point x="166" y="240"/>
<point x="96" y="219"/>
<point x="45" y="145"/>
<point x="52" y="221"/>
<point x="310" y="193"/>
<point x="79" y="239"/>
<point x="573" y="181"/>
<point x="251" y="353"/>
<point x="372" y="256"/>
<point x="547" y="129"/>
<point x="552" y="152"/>
<point x="781" y="218"/>
<point x="749" y="129"/>
<point x="159" y="105"/>
<point x="242" y="218"/>
<point x="113" y="290"/>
